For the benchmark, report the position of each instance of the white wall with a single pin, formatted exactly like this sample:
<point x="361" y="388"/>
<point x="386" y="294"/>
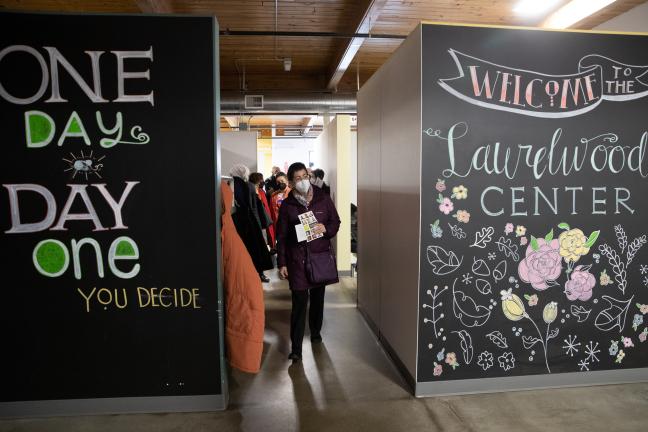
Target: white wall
<point x="238" y="147"/>
<point x="288" y="150"/>
<point x="635" y="20"/>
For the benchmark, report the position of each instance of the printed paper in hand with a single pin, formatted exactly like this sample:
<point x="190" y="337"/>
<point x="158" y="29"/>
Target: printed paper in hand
<point x="308" y="223"/>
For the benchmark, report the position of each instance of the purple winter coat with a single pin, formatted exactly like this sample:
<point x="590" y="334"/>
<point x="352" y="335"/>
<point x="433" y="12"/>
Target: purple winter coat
<point x="292" y="254"/>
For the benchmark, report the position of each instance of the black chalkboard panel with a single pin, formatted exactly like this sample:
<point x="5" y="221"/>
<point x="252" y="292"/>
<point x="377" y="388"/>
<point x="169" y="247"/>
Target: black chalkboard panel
<point x="533" y="255"/>
<point x="108" y="212"/>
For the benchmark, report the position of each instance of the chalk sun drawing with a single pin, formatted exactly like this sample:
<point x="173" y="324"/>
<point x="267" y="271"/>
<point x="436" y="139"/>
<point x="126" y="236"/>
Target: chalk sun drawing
<point x="84" y="164"/>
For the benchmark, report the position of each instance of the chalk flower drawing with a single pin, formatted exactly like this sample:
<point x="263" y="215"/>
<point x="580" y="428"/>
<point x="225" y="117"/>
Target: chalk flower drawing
<point x="508" y="228"/>
<point x="532" y="300"/>
<point x="506" y="361"/>
<point x="643" y="335"/>
<point x="462" y="216"/>
<point x="524" y="241"/>
<point x="643" y="308"/>
<point x="637" y="321"/>
<point x="451" y="359"/>
<point x="520" y="230"/>
<point x="445" y="205"/>
<point x="542" y="264"/>
<point x="436" y="230"/>
<point x="574" y="243"/>
<point x="513" y="309"/>
<point x="614" y="348"/>
<point x="620" y="357"/>
<point x="459" y="192"/>
<point x="605" y="279"/>
<point x="580" y="284"/>
<point x="440" y="185"/>
<point x="485" y="360"/>
<point x="627" y="342"/>
<point x="438" y="369"/>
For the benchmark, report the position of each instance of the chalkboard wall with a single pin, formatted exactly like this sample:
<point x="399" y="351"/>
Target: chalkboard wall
<point x="108" y="212"/>
<point x="533" y="255"/>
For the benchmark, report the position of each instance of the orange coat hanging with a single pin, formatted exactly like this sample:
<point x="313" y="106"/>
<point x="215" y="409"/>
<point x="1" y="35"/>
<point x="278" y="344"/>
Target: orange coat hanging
<point x="244" y="307"/>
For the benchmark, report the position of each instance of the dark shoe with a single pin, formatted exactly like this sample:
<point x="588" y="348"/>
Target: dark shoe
<point x="264" y="278"/>
<point x="273" y="251"/>
<point x="316" y="339"/>
<point x="294" y="357"/>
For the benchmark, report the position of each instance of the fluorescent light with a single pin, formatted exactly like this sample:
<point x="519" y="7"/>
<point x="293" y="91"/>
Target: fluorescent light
<point x="575" y="11"/>
<point x="534" y="7"/>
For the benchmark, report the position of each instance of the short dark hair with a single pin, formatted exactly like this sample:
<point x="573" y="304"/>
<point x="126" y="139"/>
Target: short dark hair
<point x="319" y="173"/>
<point x="256" y="177"/>
<point x="292" y="169"/>
<point x="280" y="174"/>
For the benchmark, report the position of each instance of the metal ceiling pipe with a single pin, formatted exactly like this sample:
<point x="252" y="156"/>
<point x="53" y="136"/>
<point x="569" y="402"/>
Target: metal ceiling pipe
<point x="291" y="103"/>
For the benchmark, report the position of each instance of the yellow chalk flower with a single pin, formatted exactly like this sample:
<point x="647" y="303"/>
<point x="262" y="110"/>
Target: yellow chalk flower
<point x="460" y="192"/>
<point x="550" y="312"/>
<point x="572" y="245"/>
<point x="512" y="306"/>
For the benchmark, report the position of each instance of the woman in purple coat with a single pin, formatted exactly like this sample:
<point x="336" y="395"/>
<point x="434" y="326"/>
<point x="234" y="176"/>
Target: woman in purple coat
<point x="291" y="253"/>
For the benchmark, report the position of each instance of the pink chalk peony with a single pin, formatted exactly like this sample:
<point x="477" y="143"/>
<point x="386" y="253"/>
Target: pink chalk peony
<point x="542" y="265"/>
<point x="580" y="284"/>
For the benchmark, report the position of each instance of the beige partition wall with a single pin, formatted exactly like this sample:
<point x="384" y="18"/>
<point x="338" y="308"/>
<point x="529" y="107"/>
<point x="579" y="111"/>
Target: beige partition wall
<point x="388" y="202"/>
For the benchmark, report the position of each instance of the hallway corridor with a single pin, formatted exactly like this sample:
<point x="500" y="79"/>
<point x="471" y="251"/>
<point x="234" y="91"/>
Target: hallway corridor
<point x="347" y="384"/>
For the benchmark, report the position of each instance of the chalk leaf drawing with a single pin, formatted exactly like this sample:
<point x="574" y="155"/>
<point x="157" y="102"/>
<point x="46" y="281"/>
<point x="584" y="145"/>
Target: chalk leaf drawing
<point x="467" y="310"/>
<point x="530" y="341"/>
<point x="509" y="249"/>
<point x="457" y="232"/>
<point x="466" y="345"/>
<point x="580" y="312"/>
<point x="620" y="267"/>
<point x="443" y="262"/>
<point x="499" y="272"/>
<point x="480" y="268"/>
<point x="483" y="286"/>
<point x="498" y="339"/>
<point x="613" y="316"/>
<point x="483" y="237"/>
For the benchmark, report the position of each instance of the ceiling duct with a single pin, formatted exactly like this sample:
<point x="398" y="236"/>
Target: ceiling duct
<point x="291" y="103"/>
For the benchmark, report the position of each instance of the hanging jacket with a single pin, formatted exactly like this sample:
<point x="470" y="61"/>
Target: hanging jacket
<point x="244" y="306"/>
<point x="270" y="228"/>
<point x="248" y="224"/>
<point x="292" y="254"/>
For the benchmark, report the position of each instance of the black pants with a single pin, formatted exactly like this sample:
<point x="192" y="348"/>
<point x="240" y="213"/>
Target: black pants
<point x="298" y="315"/>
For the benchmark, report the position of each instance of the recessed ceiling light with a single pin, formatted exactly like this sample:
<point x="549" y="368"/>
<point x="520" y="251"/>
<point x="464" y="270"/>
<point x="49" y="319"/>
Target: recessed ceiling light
<point x="534" y="7"/>
<point x="575" y="11"/>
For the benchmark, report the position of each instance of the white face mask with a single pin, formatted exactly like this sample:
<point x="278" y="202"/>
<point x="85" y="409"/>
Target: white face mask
<point x="303" y="186"/>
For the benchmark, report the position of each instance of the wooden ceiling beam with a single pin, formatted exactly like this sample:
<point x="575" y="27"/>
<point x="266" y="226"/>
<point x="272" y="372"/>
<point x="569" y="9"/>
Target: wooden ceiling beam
<point x="154" y="6"/>
<point x="368" y="17"/>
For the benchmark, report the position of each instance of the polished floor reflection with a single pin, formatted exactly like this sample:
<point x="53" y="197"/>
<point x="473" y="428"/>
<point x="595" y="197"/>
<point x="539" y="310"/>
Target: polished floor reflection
<point x="347" y="383"/>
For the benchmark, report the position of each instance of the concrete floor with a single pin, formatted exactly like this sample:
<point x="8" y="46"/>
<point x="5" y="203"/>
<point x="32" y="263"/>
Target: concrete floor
<point x="348" y="384"/>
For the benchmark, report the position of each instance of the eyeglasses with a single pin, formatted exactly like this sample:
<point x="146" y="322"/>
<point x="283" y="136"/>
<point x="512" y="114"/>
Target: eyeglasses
<point x="297" y="179"/>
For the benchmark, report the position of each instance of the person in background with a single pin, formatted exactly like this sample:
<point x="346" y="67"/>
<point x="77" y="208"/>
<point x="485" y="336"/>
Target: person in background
<point x="257" y="180"/>
<point x="318" y="180"/>
<point x="247" y="219"/>
<point x="292" y="255"/>
<point x="271" y="182"/>
<point x="282" y="192"/>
